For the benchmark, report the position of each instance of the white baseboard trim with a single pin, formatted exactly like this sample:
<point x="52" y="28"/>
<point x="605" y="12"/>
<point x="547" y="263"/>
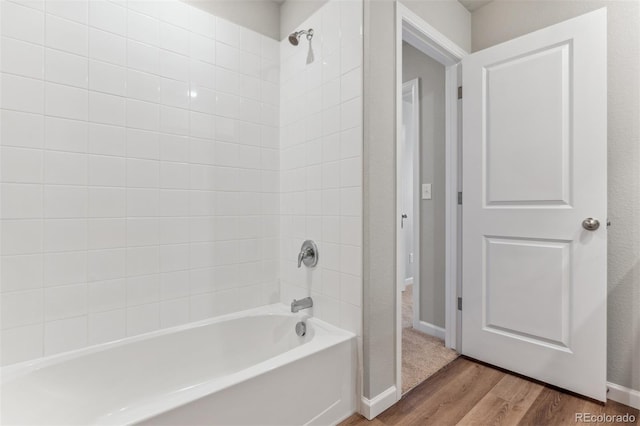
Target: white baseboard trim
<point x="370" y="408"/>
<point x="623" y="395"/>
<point x="430" y="329"/>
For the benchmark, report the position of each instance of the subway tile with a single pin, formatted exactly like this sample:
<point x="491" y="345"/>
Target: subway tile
<point x="64" y="201"/>
<point x="107" y="78"/>
<point x="227" y="56"/>
<point x="65" y="301"/>
<point x="143" y="144"/>
<point x="22" y="94"/>
<point x="174" y="38"/>
<point x="66" y="135"/>
<point x="202" y="48"/>
<point x="142" y="57"/>
<point x="65" y="168"/>
<point x="21" y="129"/>
<point x="227" y="32"/>
<point x="143" y="28"/>
<point x="21" y="201"/>
<point x="21" y="236"/>
<point x="77" y="11"/>
<point x="23" y="272"/>
<point x="143" y="86"/>
<point x="65" y="268"/>
<point x="174" y="93"/>
<point x="21" y="58"/>
<point x="174" y="202"/>
<point x="65" y="335"/>
<point x="143" y="115"/>
<point x="143" y="319"/>
<point x="107" y="202"/>
<point x="66" y="102"/>
<point x="22" y="23"/>
<point x="107" y="171"/>
<point x="106" y="295"/>
<point x="107" y="326"/>
<point x="142" y="232"/>
<point x="174" y="257"/>
<point x="202" y="23"/>
<point x="65" y="235"/>
<point x="173" y="66"/>
<point x="147" y="8"/>
<point x="174" y="312"/>
<point x="175" y="13"/>
<point x="174" y="120"/>
<point x="142" y="202"/>
<point x="22" y="344"/>
<point x="66" y="35"/>
<point x="21" y="308"/>
<point x="106" y="264"/>
<point x="107" y="47"/>
<point x="107" y="233"/>
<point x="107" y="109"/>
<point x="143" y="173"/>
<point x="143" y="289"/>
<point x="108" y="16"/>
<point x="250" y="41"/>
<point x="107" y="140"/>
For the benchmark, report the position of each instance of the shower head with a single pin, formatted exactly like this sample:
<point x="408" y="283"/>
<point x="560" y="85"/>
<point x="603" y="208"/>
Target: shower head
<point x="294" y="38"/>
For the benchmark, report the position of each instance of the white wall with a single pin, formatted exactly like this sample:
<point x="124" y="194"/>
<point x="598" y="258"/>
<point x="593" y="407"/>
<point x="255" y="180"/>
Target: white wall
<point x="321" y="164"/>
<point x="502" y="20"/>
<point x="262" y="16"/>
<point x="140" y="157"/>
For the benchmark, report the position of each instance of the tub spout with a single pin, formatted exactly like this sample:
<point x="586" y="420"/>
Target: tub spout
<point x="297" y="305"/>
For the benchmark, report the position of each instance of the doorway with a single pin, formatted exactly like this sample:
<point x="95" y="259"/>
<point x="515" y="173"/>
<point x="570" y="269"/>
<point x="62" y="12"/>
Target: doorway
<point x="428" y="214"/>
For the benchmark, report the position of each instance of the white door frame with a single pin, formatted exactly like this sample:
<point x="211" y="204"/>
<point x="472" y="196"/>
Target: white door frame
<point x="414" y="30"/>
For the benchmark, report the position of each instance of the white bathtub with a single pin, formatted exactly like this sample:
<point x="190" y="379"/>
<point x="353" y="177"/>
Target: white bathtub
<point x="248" y="368"/>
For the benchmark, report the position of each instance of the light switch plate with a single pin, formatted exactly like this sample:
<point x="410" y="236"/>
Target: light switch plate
<point x="426" y="191"/>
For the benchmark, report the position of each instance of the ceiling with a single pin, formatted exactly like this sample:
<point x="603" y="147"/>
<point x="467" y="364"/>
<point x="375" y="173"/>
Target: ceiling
<point x="472" y="5"/>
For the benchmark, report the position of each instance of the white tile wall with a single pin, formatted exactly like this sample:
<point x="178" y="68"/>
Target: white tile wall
<point x="139" y="171"/>
<point x="321" y="163"/>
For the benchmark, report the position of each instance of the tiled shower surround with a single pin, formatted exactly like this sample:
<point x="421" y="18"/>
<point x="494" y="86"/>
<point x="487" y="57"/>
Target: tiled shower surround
<point x="140" y="171"/>
<point x="151" y="176"/>
<point x="321" y="163"/>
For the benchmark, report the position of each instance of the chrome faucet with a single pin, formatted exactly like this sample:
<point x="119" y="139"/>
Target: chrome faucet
<point x="308" y="254"/>
<point x="297" y="305"/>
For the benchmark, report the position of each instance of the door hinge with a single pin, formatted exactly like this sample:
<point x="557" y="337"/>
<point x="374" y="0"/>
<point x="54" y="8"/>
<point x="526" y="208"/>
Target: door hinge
<point x="460" y="198"/>
<point x="459" y="92"/>
<point x="459" y="303"/>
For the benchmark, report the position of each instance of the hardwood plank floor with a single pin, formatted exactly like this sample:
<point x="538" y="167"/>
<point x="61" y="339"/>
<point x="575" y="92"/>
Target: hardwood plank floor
<point x="469" y="393"/>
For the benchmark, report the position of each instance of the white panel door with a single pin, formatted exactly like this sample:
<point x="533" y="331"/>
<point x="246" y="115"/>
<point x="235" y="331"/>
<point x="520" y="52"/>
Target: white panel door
<point x="534" y="168"/>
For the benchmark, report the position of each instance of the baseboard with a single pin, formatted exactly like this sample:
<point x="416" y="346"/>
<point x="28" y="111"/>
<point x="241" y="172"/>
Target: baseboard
<point x="430" y="329"/>
<point x="370" y="408"/>
<point x="623" y="395"/>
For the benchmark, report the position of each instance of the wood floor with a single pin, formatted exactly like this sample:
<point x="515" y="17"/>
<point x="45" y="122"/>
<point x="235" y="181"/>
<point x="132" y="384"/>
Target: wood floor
<point x="468" y="393"/>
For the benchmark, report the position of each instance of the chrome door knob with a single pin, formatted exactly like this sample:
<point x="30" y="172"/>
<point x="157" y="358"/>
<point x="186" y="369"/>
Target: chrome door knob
<point x="591" y="224"/>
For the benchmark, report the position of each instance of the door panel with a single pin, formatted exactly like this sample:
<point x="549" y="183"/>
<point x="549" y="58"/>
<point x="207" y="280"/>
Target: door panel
<point x="534" y="167"/>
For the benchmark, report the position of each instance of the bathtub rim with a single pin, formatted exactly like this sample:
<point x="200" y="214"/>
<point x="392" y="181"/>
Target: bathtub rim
<point x="12" y="371"/>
